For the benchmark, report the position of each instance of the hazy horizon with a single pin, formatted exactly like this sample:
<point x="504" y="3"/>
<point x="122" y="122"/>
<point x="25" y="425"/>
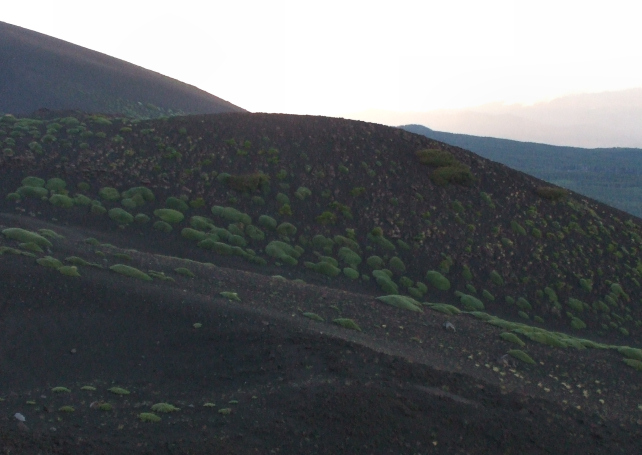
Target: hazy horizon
<point x="490" y="68"/>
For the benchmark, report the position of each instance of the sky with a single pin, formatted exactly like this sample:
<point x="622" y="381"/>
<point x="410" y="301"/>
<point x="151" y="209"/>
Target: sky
<point x="340" y="58"/>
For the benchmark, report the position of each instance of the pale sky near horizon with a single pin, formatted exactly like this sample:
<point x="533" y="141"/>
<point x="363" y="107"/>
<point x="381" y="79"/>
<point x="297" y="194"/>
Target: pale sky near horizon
<point x="340" y="57"/>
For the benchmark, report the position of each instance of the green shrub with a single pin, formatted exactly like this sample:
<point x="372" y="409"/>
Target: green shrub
<point x="349" y="257"/>
<point x="523" y="315"/>
<point x="517" y="228"/>
<point x="459" y="174"/>
<point x="512" y="338"/>
<point x="248" y="183"/>
<point x="56" y="184"/>
<point x="470" y="303"/>
<point x="25" y="236"/>
<point x="148" y="417"/>
<point x="302" y="193"/>
<point x="231" y="214"/>
<point x="523" y="304"/>
<point x="400" y="301"/>
<point x="144" y="195"/>
<point x="97" y="209"/>
<point x="109" y="193"/>
<point x="14" y="197"/>
<point x="577" y="323"/>
<point x="385" y="283"/>
<point x="49" y="261"/>
<point x="283" y="252"/>
<point x="324" y="267"/>
<point x="488" y="296"/>
<point x="631" y="353"/>
<point x="120" y="216"/>
<point x="254" y="233"/>
<point x="397" y="265"/>
<point x="444" y="308"/>
<point x="164" y="407"/>
<point x="30" y="246"/>
<point x="347" y="323"/>
<point x="466" y="273"/>
<point x="267" y="222"/>
<point x="551" y="193"/>
<point x="346" y="242"/>
<point x="162" y="226"/>
<point x="128" y="203"/>
<point x="438" y="280"/>
<point x="326" y="218"/>
<point x="375" y="262"/>
<point x="202" y="223"/>
<point x="32" y="191"/>
<point x="35" y="182"/>
<point x="321" y="242"/>
<point x="405" y="282"/>
<point x="141" y="218"/>
<point x="436" y="158"/>
<point x="496" y="278"/>
<point x="286" y="229"/>
<point x="69" y="270"/>
<point x="576" y="304"/>
<point x="351" y="273"/>
<point x="521" y="355"/>
<point x="131" y="272"/>
<point x="176" y="204"/>
<point x="62" y="201"/>
<point x="169" y="215"/>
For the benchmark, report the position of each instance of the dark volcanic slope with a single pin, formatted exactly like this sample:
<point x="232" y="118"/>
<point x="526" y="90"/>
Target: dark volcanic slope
<point x="610" y="175"/>
<point x="274" y="234"/>
<point x="38" y="71"/>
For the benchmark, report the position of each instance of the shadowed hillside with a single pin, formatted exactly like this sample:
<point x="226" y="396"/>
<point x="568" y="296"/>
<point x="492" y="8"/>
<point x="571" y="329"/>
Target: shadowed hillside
<point x="610" y="175"/>
<point x="39" y="71"/>
<point x="254" y="282"/>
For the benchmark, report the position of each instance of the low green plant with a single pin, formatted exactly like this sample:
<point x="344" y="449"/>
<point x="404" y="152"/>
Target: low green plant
<point x="438" y="280"/>
<point x="512" y="338"/>
<point x="109" y="193"/>
<point x="170" y="216"/>
<point x="164" y="408"/>
<point x="148" y="417"/>
<point x="231" y="296"/>
<point x="120" y="216"/>
<point x="400" y="301"/>
<point x="313" y="316"/>
<point x="347" y="324"/>
<point x="185" y="272"/>
<point x="521" y="355"/>
<point x="25" y="236"/>
<point x="131" y="272"/>
<point x="118" y="391"/>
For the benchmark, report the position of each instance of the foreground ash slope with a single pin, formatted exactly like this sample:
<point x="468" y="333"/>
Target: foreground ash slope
<point x="273" y="234"/>
<point x="39" y="71"/>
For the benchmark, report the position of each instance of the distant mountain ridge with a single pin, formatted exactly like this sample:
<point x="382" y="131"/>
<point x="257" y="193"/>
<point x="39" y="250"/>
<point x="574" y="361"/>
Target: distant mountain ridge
<point x="610" y="175"/>
<point x="38" y="71"/>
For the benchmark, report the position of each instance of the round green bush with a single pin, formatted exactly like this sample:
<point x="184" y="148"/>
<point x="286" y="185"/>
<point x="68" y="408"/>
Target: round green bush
<point x="438" y="280"/>
<point x="254" y="232"/>
<point x="144" y="194"/>
<point x="141" y="218"/>
<point x="201" y="223"/>
<point x="194" y="235"/>
<point x="397" y="265"/>
<point x="131" y="272"/>
<point x="375" y="262"/>
<point x="267" y="222"/>
<point x="129" y="203"/>
<point x="388" y="286"/>
<point x="13" y="197"/>
<point x="62" y="201"/>
<point x="109" y="194"/>
<point x="283" y="252"/>
<point x="349" y="257"/>
<point x="286" y="229"/>
<point x="237" y="240"/>
<point x="169" y="215"/>
<point x="82" y="200"/>
<point x="22" y="235"/>
<point x="163" y="226"/>
<point x="32" y="191"/>
<point x="351" y="273"/>
<point x="97" y="209"/>
<point x="496" y="278"/>
<point x="302" y="193"/>
<point x="282" y="199"/>
<point x="35" y="182"/>
<point x="176" y="204"/>
<point x="471" y="303"/>
<point x="120" y="216"/>
<point x="55" y="184"/>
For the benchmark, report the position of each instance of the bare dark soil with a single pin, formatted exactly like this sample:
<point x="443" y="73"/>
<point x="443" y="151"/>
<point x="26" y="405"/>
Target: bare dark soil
<point x="293" y="386"/>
